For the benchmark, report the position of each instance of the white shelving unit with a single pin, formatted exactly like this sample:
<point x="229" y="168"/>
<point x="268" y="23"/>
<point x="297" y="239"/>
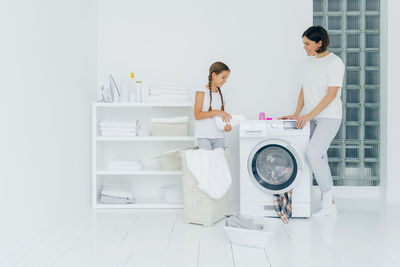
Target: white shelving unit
<point x="149" y="180"/>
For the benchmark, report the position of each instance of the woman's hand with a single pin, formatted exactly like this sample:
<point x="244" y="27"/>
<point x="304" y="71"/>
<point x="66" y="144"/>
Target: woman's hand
<point x="302" y="121"/>
<point x="228" y="128"/>
<point x="289" y="117"/>
<point x="226" y="117"/>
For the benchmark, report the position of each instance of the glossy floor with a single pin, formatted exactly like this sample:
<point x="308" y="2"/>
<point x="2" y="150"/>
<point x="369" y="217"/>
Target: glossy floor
<point x="365" y="233"/>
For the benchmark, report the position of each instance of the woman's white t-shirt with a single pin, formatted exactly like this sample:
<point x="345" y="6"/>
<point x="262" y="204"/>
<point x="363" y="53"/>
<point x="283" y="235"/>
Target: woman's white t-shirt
<point x="207" y="128"/>
<point x="318" y="74"/>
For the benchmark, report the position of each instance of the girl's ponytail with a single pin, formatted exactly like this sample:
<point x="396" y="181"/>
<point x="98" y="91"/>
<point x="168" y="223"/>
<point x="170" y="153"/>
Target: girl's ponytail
<point x="222" y="99"/>
<point x="217" y="67"/>
<point x="209" y="87"/>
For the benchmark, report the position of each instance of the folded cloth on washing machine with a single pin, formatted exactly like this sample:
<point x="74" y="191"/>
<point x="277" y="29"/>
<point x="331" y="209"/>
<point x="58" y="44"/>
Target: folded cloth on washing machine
<point x="241" y="222"/>
<point x="234" y="121"/>
<point x="210" y="169"/>
<point x="283" y="205"/>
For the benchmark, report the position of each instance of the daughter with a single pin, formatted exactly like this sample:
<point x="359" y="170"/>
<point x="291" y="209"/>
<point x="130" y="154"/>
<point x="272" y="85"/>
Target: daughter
<point x="209" y="103"/>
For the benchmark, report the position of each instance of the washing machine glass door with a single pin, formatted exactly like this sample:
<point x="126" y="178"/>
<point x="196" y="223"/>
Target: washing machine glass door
<point x="274" y="167"/>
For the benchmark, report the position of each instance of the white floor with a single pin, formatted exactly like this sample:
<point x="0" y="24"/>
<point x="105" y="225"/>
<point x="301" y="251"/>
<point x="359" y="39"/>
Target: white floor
<point x="365" y="233"/>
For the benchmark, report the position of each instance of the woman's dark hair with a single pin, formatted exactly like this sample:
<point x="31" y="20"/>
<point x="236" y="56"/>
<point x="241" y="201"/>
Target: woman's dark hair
<point x="316" y="34"/>
<point x="216" y="68"/>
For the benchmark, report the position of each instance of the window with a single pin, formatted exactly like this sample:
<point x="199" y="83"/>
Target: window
<point x="354" y="30"/>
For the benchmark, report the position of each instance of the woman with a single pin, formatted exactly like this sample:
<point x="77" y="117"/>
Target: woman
<point x="319" y="99"/>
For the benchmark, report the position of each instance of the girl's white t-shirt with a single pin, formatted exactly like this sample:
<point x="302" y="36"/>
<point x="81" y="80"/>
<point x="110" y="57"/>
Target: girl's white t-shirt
<point x="318" y="74"/>
<point x="207" y="128"/>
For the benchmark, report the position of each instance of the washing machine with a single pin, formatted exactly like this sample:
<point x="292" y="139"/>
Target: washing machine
<point x="272" y="161"/>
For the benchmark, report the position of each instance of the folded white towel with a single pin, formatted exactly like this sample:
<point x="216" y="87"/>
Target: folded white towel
<point x="169" y="98"/>
<point x="115" y="129"/>
<point x="169" y="92"/>
<point x="173" y="84"/>
<point x="124" y="165"/>
<point x="170" y="120"/>
<point x="117" y="191"/>
<point x="115" y="200"/>
<point x="117" y="124"/>
<point x="234" y="121"/>
<point x="211" y="171"/>
<point x="117" y="134"/>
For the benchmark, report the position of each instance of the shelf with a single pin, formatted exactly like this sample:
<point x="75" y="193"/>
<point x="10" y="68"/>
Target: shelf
<point x="151" y="204"/>
<point x="161" y="104"/>
<point x="139" y="172"/>
<point x="145" y="138"/>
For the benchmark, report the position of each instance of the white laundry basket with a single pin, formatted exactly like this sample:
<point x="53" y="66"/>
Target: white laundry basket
<point x="200" y="208"/>
<point x="255" y="238"/>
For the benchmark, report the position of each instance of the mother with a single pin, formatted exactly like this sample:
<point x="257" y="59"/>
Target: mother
<point x="319" y="99"/>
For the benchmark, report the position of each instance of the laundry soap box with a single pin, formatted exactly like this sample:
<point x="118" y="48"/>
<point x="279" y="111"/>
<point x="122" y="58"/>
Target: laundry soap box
<point x="252" y="237"/>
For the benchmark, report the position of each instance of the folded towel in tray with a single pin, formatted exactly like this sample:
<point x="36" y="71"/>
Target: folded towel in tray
<point x="239" y="221"/>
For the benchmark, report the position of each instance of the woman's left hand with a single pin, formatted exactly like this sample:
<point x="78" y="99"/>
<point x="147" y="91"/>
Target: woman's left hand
<point x="228" y="128"/>
<point x="302" y="121"/>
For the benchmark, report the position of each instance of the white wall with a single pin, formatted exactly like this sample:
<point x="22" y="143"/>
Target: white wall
<point x="48" y="72"/>
<point x="178" y="40"/>
<point x="391" y="86"/>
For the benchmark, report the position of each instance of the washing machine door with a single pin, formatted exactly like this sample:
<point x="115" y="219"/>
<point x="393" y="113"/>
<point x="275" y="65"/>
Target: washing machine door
<point x="275" y="166"/>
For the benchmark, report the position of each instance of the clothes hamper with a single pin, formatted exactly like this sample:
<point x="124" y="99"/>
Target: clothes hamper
<point x="200" y="208"/>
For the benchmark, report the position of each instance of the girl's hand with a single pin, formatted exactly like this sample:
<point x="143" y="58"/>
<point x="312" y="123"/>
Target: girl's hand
<point x="226" y="117"/>
<point x="302" y="121"/>
<point x="289" y="117"/>
<point x="228" y="128"/>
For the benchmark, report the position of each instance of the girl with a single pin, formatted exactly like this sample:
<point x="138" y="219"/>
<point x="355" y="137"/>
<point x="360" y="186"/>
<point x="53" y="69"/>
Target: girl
<point x="209" y="102"/>
<point x="319" y="98"/>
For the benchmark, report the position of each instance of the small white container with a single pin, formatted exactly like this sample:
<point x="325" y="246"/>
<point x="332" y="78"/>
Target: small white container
<point x="170" y="129"/>
<point x="255" y="238"/>
<point x="172" y="193"/>
<point x="172" y="126"/>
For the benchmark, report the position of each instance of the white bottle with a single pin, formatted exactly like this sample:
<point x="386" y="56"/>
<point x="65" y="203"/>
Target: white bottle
<point x="132" y="98"/>
<point x="138" y="91"/>
<point x="145" y="92"/>
<point x="124" y="91"/>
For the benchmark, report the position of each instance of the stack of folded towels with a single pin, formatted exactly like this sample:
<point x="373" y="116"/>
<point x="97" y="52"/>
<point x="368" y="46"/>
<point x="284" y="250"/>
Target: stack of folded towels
<point x="170" y="92"/>
<point x="117" y="128"/>
<point x="117" y="194"/>
<point x="124" y="165"/>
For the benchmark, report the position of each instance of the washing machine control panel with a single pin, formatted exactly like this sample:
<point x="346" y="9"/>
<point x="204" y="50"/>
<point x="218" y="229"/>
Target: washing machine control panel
<point x="289" y="125"/>
<point x="261" y="128"/>
<point x="285" y="127"/>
